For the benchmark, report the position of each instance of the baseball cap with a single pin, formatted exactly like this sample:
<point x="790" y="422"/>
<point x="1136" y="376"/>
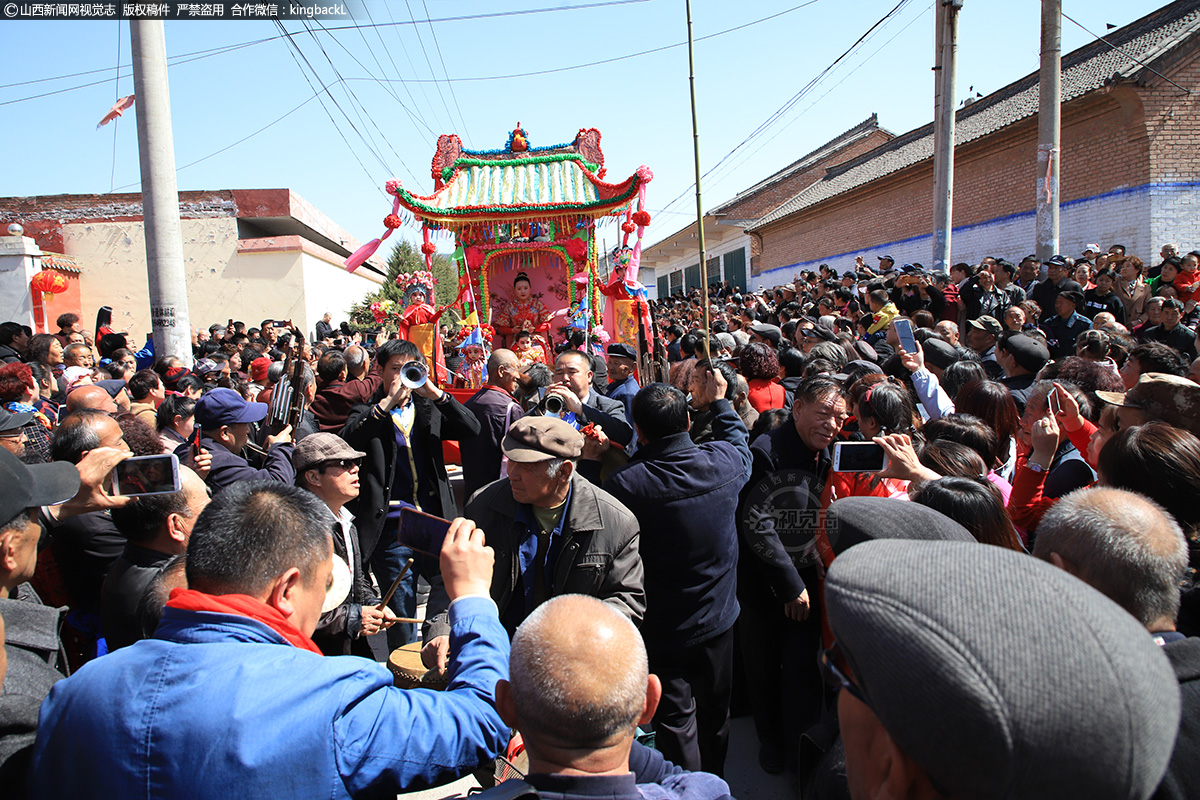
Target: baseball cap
<point x="25" y="486"/>
<point x="206" y="365"/>
<point x="10" y="421"/>
<point x="1092" y="248"/>
<point x="987" y="323"/>
<point x="533" y="439"/>
<point x="1170" y="398"/>
<point x="1056" y="261"/>
<point x="259" y="367"/>
<point x="320" y="447"/>
<point x="621" y="350"/>
<point x="226" y="407"/>
<point x="989" y="693"/>
<point x="1029" y="353"/>
<point x="885" y="256"/>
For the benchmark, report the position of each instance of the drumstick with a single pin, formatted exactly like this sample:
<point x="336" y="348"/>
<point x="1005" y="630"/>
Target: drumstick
<point x="395" y="586"/>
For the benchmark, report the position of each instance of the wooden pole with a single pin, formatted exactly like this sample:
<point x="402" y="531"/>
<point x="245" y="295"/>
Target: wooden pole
<point x="699" y="203"/>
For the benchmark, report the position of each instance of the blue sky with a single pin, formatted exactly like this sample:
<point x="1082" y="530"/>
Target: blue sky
<point x="640" y="104"/>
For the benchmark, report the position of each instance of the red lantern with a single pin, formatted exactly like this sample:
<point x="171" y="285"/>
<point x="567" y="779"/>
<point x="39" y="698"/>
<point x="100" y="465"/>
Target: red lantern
<point x="48" y="282"/>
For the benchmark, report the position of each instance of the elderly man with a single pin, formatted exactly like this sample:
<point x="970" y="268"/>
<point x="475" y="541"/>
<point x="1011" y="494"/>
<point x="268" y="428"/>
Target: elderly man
<point x="86" y="546"/>
<point x="328" y="467"/>
<point x="573" y="385"/>
<point x="1064" y="327"/>
<point x="553" y="531"/>
<point x="578" y="688"/>
<point x="684" y="496"/>
<point x="233" y="696"/>
<point x="622" y="383"/>
<point x="31" y="648"/>
<point x="156" y="528"/>
<point x="12" y="431"/>
<point x="1127" y="547"/>
<point x="224" y="418"/>
<point x="1172" y="332"/>
<point x="982" y="335"/>
<point x="941" y="700"/>
<point x="1058" y="271"/>
<point x="777" y="567"/>
<point x="496" y="408"/>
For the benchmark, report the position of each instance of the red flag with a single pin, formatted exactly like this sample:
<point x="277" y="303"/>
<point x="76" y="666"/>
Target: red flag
<point x="117" y="110"/>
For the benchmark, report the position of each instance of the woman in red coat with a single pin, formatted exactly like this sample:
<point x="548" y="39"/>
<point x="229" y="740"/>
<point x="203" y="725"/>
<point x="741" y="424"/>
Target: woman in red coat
<point x="760" y="366"/>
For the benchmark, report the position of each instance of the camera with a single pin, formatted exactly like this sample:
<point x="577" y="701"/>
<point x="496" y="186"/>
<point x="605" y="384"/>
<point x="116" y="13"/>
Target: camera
<point x="414" y="374"/>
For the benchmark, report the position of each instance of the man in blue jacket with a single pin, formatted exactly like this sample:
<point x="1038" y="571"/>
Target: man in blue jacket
<point x="231" y="698"/>
<point x="224" y="418"/>
<point x="684" y="496"/>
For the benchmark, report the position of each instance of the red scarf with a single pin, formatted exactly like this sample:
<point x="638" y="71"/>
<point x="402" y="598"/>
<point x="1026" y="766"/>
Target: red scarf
<point x="242" y="605"/>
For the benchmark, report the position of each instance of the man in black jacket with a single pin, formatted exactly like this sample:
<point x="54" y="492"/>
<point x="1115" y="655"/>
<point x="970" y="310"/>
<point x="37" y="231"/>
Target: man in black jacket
<point x="1058" y="270"/>
<point x="573" y="385"/>
<point x="778" y="519"/>
<point x="496" y="409"/>
<point x="157" y="528"/>
<point x="401" y="430"/>
<point x="684" y="496"/>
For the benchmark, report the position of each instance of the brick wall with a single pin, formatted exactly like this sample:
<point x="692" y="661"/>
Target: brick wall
<point x="1128" y="174"/>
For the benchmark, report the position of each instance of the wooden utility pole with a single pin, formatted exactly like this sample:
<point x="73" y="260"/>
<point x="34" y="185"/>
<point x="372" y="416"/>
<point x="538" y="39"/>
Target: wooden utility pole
<point x="1049" y="129"/>
<point x="943" y="130"/>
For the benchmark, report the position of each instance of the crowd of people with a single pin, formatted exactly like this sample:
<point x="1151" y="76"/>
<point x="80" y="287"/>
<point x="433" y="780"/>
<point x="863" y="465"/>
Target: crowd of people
<point x="1003" y="605"/>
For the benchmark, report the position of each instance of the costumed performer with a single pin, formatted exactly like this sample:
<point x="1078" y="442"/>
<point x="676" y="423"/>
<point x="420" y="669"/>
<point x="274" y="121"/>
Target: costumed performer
<point x="523" y="313"/>
<point x="418" y="322"/>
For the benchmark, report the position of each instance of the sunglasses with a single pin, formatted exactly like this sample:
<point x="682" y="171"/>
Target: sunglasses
<point x="343" y="463"/>
<point x="834" y="669"/>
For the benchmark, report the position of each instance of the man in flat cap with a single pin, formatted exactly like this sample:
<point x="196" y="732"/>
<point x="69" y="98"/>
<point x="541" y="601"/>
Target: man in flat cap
<point x="553" y="531"/>
<point x="1022" y="358"/>
<point x="1064" y="327"/>
<point x="328" y="467"/>
<point x="1058" y="279"/>
<point x="982" y="335"/>
<point x="1029" y="685"/>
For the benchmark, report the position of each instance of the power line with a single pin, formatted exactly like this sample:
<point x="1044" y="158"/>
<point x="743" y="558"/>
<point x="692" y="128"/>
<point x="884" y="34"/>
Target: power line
<point x="446" y="72"/>
<point x="791" y="102"/>
<point x="411" y="66"/>
<point x="436" y="83"/>
<point x="614" y="59"/>
<point x="1131" y="58"/>
<point x="360" y="108"/>
<point x="394" y="23"/>
<point x="244" y="138"/>
<point x="298" y="52"/>
<point x="388" y="51"/>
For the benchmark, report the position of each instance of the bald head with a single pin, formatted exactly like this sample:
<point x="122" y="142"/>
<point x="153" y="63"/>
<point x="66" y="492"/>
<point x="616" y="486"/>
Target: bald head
<point x="578" y="673"/>
<point x="94" y="397"/>
<point x="501" y="358"/>
<point x="1121" y="544"/>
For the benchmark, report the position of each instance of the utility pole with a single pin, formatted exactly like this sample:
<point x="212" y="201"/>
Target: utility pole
<point x="1049" y="149"/>
<point x="160" y="195"/>
<point x="943" y="130"/>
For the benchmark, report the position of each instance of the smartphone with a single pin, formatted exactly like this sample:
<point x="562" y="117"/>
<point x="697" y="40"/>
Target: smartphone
<point x="1055" y="406"/>
<point x="279" y="323"/>
<point x="421" y="531"/>
<point x="143" y="475"/>
<point x="904" y="332"/>
<point x="859" y="457"/>
<point x="194" y="441"/>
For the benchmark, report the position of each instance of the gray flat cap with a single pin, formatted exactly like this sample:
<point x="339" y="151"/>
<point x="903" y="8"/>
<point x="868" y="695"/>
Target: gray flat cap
<point x="854" y="520"/>
<point x="1002" y="676"/>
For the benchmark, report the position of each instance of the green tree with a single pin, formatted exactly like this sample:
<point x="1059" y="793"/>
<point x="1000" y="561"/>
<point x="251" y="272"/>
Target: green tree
<point x="404" y="259"/>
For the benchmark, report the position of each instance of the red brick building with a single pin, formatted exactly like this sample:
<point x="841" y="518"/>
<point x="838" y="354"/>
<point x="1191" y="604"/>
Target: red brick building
<point x="1129" y="171"/>
<point x="674" y="261"/>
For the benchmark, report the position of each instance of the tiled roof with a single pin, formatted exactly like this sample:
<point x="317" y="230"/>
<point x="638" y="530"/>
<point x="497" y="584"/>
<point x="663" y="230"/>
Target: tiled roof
<point x="864" y="128"/>
<point x="1083" y="70"/>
